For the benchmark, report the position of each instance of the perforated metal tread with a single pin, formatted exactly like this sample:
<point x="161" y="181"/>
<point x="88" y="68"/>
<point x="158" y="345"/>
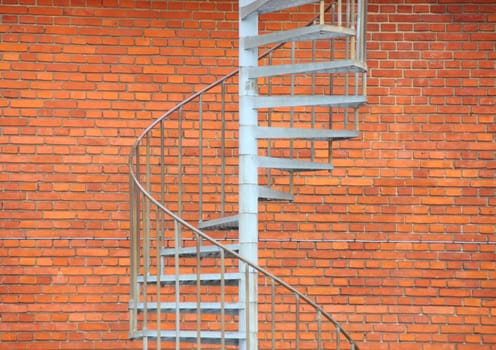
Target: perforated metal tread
<point x="223" y="223"/>
<point x="209" y="278"/>
<point x="211" y="308"/>
<point x="341" y="66"/>
<point x="291" y="164"/>
<point x="267" y="193"/>
<point x="301" y="133"/>
<point x="313" y="32"/>
<point x="206" y="337"/>
<point x="205" y="250"/>
<point x="295" y="101"/>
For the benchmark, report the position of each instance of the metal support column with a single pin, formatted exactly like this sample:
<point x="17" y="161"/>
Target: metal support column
<point x="248" y="183"/>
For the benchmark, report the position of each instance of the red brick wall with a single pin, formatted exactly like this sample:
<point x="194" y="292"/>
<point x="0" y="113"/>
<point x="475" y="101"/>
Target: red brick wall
<point x="400" y="246"/>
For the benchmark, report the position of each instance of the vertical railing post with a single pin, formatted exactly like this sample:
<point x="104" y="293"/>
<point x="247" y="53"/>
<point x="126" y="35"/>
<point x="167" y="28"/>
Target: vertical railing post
<point x="363" y="33"/>
<point x="200" y="160"/>
<point x="177" y="240"/>
<point x="198" y="291"/>
<point x="297" y="322"/>
<point x="269" y="120"/>
<point x="273" y="312"/>
<point x="180" y="164"/>
<point x="314" y="58"/>
<point x="222" y="149"/>
<point x="146" y="238"/>
<point x="162" y="190"/>
<point x="133" y="204"/>
<point x="222" y="300"/>
<point x="347" y="54"/>
<point x="159" y="232"/>
<point x="292" y="115"/>
<point x="319" y="330"/>
<point x="158" y="273"/>
<point x="322" y="12"/>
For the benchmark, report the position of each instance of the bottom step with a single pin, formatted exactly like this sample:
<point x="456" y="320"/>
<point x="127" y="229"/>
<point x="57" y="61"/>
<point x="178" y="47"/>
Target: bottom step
<point x="211" y="308"/>
<point x="206" y="337"/>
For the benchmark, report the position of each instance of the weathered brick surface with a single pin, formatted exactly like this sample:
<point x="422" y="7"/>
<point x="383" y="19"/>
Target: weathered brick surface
<point x="400" y="245"/>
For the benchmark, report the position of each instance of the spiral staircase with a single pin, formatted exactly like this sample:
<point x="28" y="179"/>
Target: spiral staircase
<point x="200" y="172"/>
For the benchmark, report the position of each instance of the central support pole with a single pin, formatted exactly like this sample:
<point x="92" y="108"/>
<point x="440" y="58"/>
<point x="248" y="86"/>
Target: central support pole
<point x="248" y="183"/>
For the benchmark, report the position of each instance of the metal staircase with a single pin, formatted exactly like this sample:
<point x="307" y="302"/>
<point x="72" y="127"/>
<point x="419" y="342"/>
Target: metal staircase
<point x="214" y="157"/>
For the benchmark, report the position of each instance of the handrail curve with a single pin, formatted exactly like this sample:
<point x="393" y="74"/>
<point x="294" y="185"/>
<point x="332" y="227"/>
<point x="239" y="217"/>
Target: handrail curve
<point x="141" y="196"/>
<point x="248" y="263"/>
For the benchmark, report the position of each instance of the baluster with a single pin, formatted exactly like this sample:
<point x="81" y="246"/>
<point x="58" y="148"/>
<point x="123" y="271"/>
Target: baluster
<point x="198" y="291"/>
<point x="146" y="227"/>
<point x="319" y="330"/>
<point x="223" y="159"/>
<point x="269" y="121"/>
<point x="291" y="116"/>
<point x="134" y="218"/>
<point x="297" y="321"/>
<point x="322" y="12"/>
<point x="222" y="299"/>
<point x="273" y="311"/>
<point x="180" y="163"/>
<point x="200" y="166"/>
<point x="177" y="239"/>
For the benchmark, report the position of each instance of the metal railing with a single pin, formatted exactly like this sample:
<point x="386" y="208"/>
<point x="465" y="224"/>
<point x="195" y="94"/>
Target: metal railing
<point x="172" y="302"/>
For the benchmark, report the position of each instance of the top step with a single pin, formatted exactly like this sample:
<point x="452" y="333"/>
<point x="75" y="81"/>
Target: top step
<point x="266" y="6"/>
<point x="313" y="32"/>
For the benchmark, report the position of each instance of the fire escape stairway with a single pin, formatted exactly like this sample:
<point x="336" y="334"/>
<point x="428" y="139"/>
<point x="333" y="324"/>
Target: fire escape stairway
<point x="190" y="289"/>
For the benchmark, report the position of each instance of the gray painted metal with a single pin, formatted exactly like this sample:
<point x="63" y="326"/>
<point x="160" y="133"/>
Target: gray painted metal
<point x="147" y="242"/>
<point x="314" y="32"/>
<point x="208" y="278"/>
<point x="206" y="337"/>
<point x="211" y="308"/>
<point x="266" y="6"/>
<point x="271" y="194"/>
<point x="223" y="223"/>
<point x="205" y="251"/>
<point x="291" y="164"/>
<point x="295" y="101"/>
<point x="301" y="133"/>
<point x="232" y="222"/>
<point x="342" y="66"/>
<point x="248" y="184"/>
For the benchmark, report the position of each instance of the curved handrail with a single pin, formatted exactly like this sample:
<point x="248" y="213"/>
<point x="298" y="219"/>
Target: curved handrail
<point x="134" y="180"/>
<point x="248" y="263"/>
<point x="201" y="92"/>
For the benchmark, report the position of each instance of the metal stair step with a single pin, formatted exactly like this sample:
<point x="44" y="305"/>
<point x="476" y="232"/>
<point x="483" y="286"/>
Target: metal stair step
<point x="341" y="66"/>
<point x="206" y="337"/>
<point x="313" y="32"/>
<point x="223" y="223"/>
<point x="210" y="308"/>
<point x="267" y="6"/>
<point x="268" y="193"/>
<point x="232" y="222"/>
<point x="265" y="132"/>
<point x="295" y="101"/>
<point x="230" y="278"/>
<point x="291" y="164"/>
<point x="205" y="251"/>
